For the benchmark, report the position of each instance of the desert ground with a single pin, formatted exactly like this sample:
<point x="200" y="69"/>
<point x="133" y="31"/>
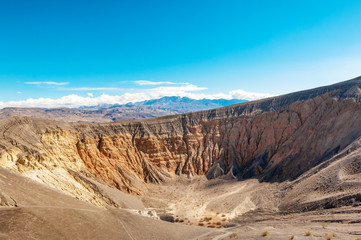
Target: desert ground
<point x="229" y="209"/>
<point x="191" y="208"/>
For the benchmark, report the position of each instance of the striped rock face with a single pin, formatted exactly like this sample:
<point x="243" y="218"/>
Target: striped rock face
<point x="273" y="140"/>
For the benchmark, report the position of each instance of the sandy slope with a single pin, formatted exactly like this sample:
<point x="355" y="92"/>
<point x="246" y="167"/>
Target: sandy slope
<point x="44" y="213"/>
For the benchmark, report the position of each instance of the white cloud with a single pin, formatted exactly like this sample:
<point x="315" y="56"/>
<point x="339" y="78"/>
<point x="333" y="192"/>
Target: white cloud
<point x="19" y="92"/>
<point x="240" y="94"/>
<point x="48" y="83"/>
<point x="74" y="100"/>
<point x="146" y="82"/>
<point x="94" y="89"/>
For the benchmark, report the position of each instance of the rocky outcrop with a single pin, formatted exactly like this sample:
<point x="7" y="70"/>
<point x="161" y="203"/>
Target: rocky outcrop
<point x="275" y="139"/>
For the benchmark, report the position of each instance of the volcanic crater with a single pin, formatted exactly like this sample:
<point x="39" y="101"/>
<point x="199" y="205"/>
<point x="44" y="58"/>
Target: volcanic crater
<point x="278" y="167"/>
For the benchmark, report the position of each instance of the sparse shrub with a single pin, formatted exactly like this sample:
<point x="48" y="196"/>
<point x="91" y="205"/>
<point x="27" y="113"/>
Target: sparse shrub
<point x="334" y="235"/>
<point x="233" y="235"/>
<point x="328" y="237"/>
<point x="265" y="234"/>
<point x="176" y="220"/>
<point x="207" y="219"/>
<point x="223" y="215"/>
<point x="181" y="220"/>
<point x="201" y="224"/>
<point x="308" y="233"/>
<point x="292" y="237"/>
<point x="324" y="225"/>
<point x="218" y="223"/>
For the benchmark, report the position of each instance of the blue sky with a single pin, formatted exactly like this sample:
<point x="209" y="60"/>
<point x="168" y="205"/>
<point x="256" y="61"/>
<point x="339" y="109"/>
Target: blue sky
<point x="70" y="53"/>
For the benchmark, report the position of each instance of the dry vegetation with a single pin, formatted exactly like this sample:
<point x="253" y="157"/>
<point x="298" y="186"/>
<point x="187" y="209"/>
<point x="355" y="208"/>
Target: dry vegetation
<point x="328" y="237"/>
<point x="233" y="235"/>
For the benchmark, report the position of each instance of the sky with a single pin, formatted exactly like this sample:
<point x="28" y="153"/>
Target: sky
<point x="81" y="53"/>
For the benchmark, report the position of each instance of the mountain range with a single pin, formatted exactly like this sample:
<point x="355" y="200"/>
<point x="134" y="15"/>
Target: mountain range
<point x="107" y="113"/>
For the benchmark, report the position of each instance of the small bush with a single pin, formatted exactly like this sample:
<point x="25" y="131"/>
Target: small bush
<point x="207" y="219"/>
<point x="233" y="235"/>
<point x="292" y="237"/>
<point x="265" y="234"/>
<point x="308" y="233"/>
<point x="218" y="223"/>
<point x="328" y="237"/>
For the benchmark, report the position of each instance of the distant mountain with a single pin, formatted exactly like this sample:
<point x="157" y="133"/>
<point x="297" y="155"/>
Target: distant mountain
<point x="107" y="113"/>
<point x="184" y="104"/>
